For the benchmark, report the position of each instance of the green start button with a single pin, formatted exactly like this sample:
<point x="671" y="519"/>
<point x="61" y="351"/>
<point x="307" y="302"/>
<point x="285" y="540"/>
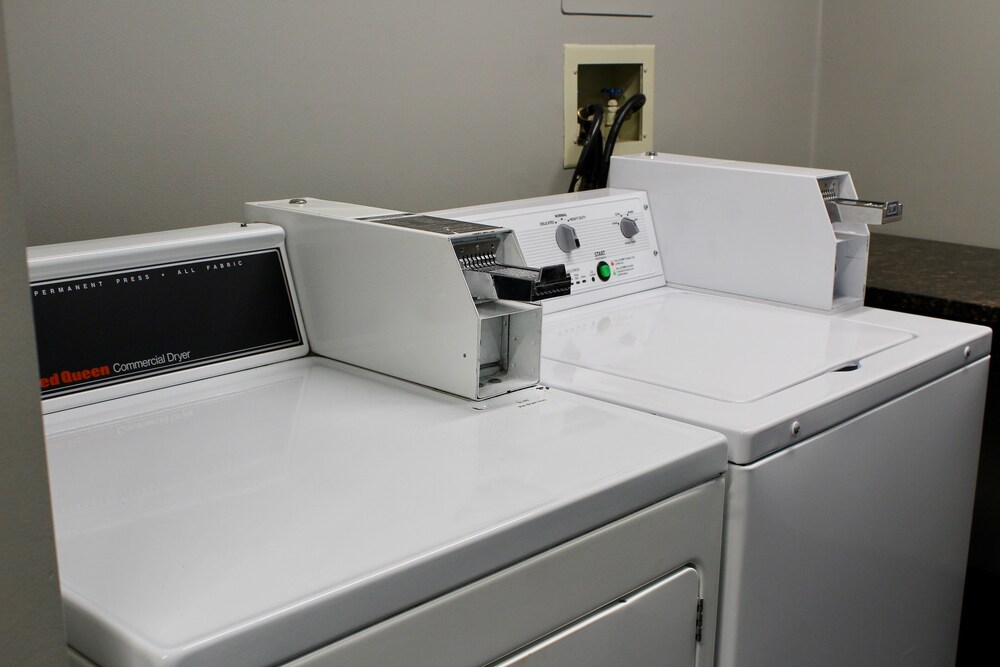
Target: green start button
<point x="603" y="271"/>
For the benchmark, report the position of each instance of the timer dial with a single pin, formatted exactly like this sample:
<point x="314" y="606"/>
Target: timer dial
<point x="566" y="238"/>
<point x="628" y="227"/>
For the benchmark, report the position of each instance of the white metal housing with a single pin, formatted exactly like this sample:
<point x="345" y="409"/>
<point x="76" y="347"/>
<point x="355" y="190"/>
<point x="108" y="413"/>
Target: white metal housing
<point x="395" y="299"/>
<point x="756" y="230"/>
<point x="249" y="518"/>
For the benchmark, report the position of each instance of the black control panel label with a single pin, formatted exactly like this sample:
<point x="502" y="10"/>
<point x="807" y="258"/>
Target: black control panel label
<point x="107" y="328"/>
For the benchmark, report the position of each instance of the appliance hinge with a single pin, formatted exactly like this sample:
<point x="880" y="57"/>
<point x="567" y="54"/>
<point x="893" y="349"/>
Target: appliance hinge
<point x="699" y="619"/>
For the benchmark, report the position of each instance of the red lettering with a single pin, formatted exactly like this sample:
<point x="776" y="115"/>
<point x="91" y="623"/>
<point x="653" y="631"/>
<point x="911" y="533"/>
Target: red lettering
<point x="68" y="377"/>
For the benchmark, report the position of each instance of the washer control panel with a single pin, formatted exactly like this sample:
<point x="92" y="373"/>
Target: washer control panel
<point x="604" y="237"/>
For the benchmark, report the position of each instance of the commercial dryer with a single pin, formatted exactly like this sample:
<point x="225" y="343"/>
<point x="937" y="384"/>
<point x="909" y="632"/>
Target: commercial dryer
<point x="853" y="433"/>
<point x="221" y="498"/>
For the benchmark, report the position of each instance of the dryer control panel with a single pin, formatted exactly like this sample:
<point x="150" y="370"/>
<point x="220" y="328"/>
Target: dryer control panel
<point x="129" y="314"/>
<point x="603" y="237"/>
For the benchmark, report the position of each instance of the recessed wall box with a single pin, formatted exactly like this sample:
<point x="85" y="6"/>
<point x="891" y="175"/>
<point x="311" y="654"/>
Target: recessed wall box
<point x="607" y="74"/>
<point x="435" y="301"/>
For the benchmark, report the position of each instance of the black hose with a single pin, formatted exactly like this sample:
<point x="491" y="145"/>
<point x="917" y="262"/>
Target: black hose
<point x="631" y="105"/>
<point x="594" y="137"/>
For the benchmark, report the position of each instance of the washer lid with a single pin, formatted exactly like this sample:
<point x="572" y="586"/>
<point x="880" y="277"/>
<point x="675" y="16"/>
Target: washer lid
<point x="764" y="376"/>
<point x="249" y="518"/>
<point x="719" y="348"/>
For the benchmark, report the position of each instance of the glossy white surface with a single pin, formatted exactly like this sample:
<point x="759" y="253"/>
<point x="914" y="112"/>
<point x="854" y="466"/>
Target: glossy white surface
<point x="722" y="349"/>
<point x="748" y="369"/>
<point x="248" y="518"/>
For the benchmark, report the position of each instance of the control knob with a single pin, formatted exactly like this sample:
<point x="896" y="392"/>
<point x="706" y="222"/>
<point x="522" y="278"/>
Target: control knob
<point x="628" y="227"/>
<point x="566" y="238"/>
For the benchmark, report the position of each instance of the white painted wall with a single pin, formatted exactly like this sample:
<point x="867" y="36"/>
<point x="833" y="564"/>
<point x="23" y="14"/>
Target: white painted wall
<point x="910" y="104"/>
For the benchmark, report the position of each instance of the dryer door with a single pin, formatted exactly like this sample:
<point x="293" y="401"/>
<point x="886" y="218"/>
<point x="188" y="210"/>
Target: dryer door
<point x="654" y="625"/>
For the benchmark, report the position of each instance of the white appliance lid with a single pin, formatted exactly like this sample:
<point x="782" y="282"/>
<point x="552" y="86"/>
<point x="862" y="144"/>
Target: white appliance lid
<point x="719" y="348"/>
<point x="764" y="376"/>
<point x="249" y="518"/>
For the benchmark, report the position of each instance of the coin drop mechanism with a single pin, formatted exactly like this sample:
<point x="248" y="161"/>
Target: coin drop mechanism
<point x="443" y="303"/>
<point x="786" y="234"/>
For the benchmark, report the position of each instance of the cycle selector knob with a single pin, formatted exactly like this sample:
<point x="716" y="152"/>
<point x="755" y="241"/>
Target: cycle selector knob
<point x="628" y="227"/>
<point x="566" y="238"/>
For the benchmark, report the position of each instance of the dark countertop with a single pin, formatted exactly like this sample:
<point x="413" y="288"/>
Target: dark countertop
<point x="947" y="280"/>
<point x="956" y="282"/>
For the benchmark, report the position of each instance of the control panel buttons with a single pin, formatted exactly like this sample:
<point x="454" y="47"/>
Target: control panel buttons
<point x="566" y="238"/>
<point x="628" y="227"/>
<point x="603" y="271"/>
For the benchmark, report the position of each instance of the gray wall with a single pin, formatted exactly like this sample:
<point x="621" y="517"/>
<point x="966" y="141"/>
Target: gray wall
<point x="138" y="115"/>
<point x="31" y="625"/>
<point x="910" y="104"/>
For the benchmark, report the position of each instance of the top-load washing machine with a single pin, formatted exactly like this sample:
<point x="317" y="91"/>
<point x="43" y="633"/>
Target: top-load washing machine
<point x="853" y="433"/>
<point x="220" y="498"/>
